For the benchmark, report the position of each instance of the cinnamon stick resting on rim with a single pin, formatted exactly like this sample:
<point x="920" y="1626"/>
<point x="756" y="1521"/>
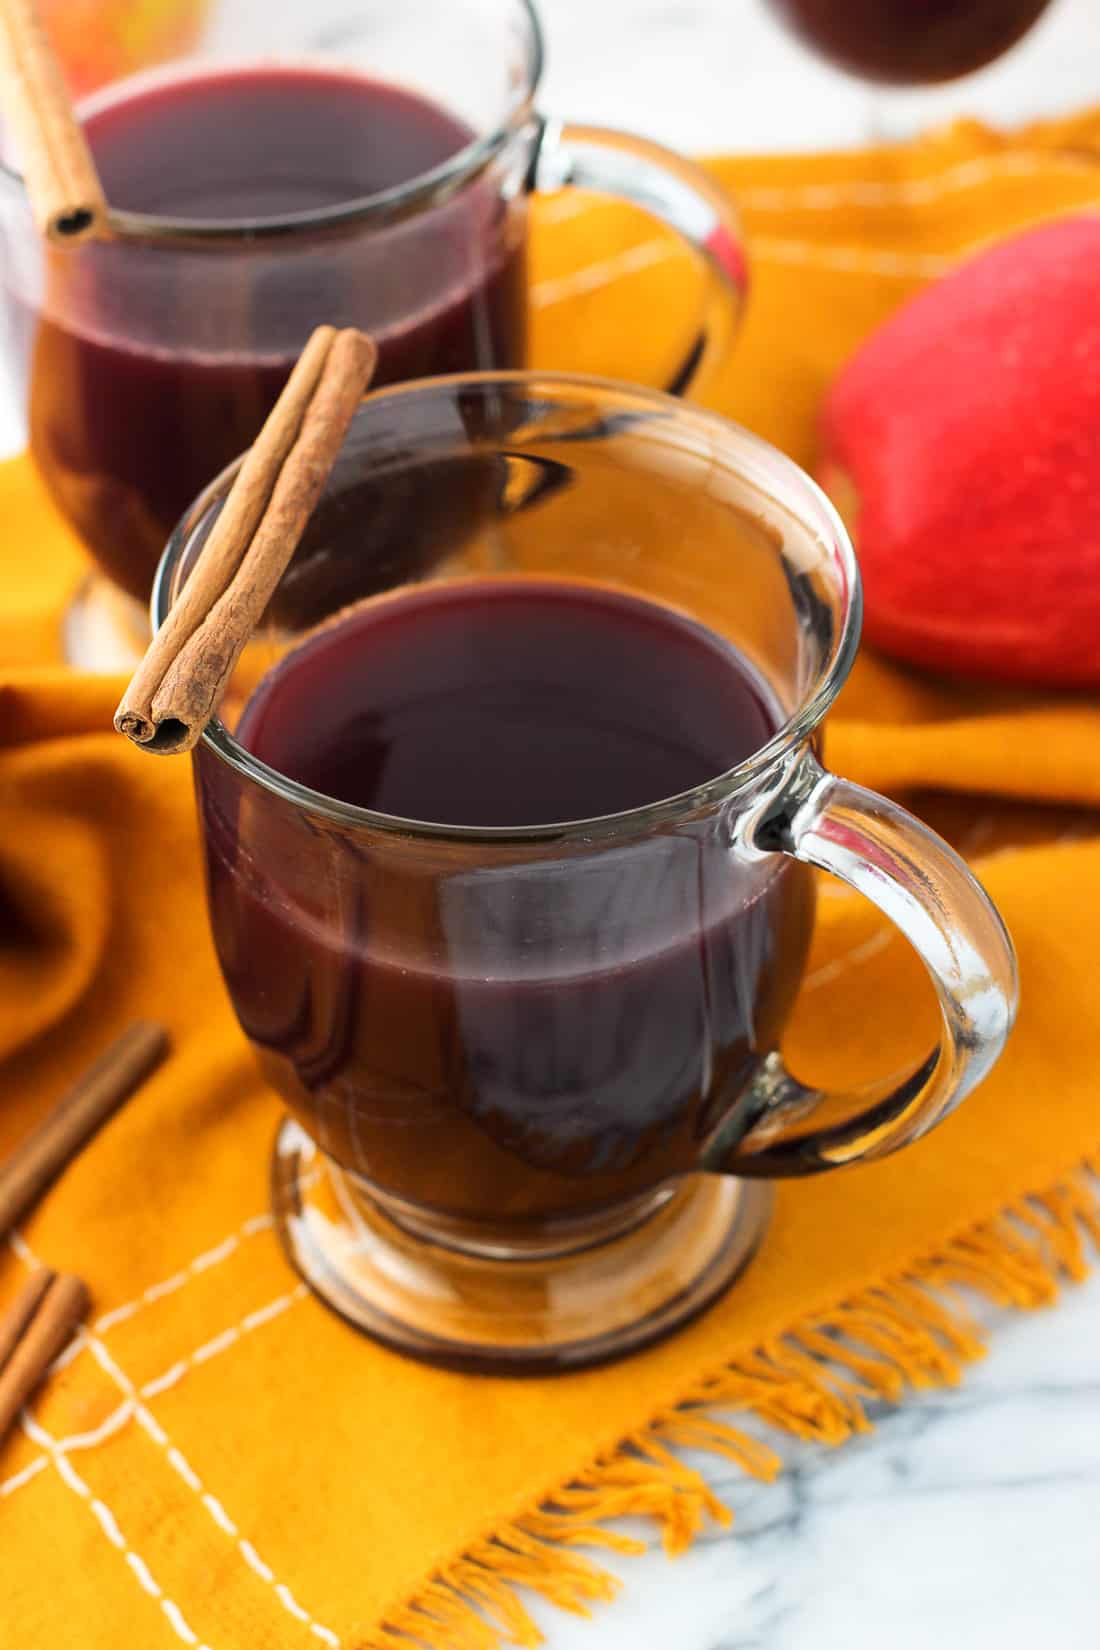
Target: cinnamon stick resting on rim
<point x="180" y="682"/>
<point x="65" y="193"/>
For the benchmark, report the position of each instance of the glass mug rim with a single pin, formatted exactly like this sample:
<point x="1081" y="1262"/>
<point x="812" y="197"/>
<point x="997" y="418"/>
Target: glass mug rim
<point x="384" y="206"/>
<point x="792" y="734"/>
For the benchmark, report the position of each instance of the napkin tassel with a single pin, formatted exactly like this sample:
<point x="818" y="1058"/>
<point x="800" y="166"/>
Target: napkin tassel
<point x="813" y="1382"/>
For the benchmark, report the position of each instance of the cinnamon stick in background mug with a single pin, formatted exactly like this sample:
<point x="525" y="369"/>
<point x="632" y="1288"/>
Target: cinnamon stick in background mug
<point x="65" y="192"/>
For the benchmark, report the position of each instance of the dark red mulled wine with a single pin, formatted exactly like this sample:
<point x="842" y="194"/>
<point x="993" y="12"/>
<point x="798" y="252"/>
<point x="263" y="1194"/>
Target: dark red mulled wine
<point x="507" y="703"/>
<point x="155" y="364"/>
<point x="911" y="42"/>
<point x="505" y="1028"/>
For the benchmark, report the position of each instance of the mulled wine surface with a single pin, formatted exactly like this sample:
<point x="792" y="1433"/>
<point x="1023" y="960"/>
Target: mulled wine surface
<point x="503" y="1030"/>
<point x="507" y="703"/>
<point x="911" y="42"/>
<point x="154" y="365"/>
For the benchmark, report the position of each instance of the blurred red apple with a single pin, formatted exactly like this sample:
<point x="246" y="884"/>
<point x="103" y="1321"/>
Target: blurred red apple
<point x="962" y="444"/>
<point x="102" y="40"/>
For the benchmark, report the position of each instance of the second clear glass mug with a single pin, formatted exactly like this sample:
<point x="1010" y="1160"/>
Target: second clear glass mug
<point x="534" y="1073"/>
<point x="152" y="358"/>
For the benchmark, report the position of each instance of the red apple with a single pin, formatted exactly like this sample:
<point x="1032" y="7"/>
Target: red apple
<point x="962" y="443"/>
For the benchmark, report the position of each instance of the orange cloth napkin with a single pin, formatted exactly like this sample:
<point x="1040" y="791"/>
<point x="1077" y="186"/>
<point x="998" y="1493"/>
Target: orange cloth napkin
<point x="220" y="1462"/>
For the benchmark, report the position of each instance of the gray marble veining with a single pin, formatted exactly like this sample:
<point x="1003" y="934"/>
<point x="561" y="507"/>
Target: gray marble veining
<point x="968" y="1517"/>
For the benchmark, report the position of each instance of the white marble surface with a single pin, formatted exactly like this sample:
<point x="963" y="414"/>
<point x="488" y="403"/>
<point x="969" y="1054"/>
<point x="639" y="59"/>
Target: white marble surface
<point x="968" y="1518"/>
<point x="971" y="1517"/>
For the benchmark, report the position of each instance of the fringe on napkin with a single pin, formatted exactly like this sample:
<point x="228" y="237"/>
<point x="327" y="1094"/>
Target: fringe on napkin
<point x="910" y="1330"/>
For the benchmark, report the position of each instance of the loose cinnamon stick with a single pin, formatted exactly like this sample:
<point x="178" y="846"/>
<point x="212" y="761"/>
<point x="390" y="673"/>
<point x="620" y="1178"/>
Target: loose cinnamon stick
<point x="76" y="1117"/>
<point x="14" y="1323"/>
<point x="65" y="192"/>
<point x="61" y="1308"/>
<point x="184" y="674"/>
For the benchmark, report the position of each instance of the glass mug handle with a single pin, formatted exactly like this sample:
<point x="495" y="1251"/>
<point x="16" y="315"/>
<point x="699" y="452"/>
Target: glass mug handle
<point x="927" y="891"/>
<point x="679" y="194"/>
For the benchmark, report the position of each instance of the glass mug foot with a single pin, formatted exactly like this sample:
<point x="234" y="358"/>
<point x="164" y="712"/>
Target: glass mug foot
<point x="103" y="628"/>
<point x="528" y="1313"/>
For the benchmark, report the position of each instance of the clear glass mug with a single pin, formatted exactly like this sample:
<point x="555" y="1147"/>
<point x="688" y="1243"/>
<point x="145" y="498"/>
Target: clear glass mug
<point x="150" y="360"/>
<point x="534" y="1073"/>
